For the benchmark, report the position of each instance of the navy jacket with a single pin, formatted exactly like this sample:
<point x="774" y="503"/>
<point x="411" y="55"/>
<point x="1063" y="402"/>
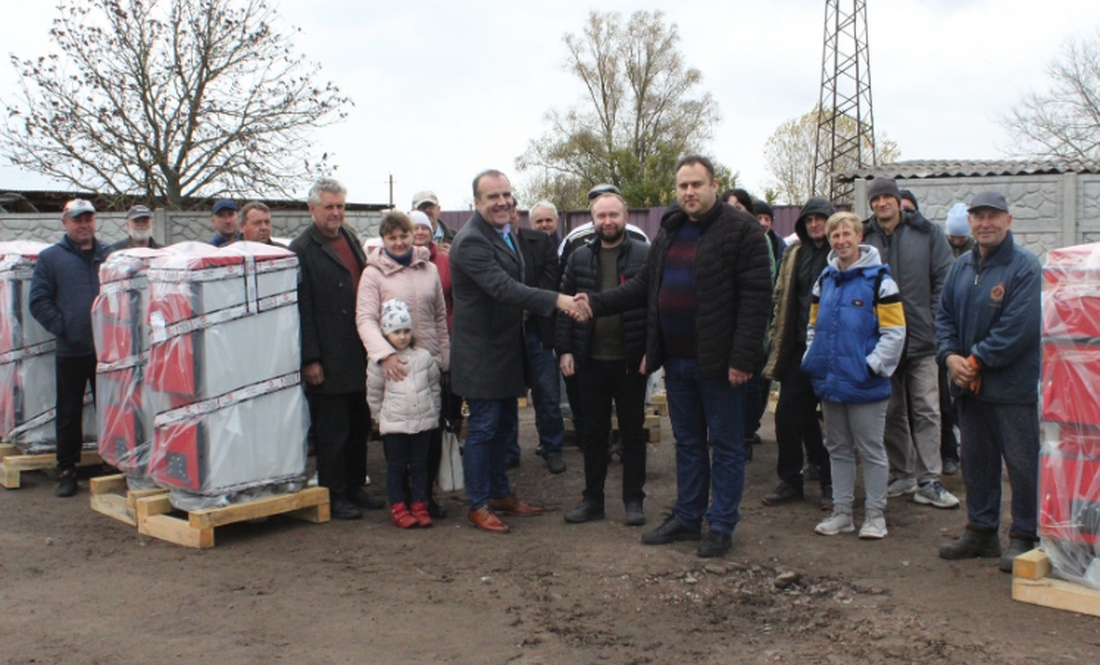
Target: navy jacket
<point x="992" y="309"/>
<point x="63" y="286"/>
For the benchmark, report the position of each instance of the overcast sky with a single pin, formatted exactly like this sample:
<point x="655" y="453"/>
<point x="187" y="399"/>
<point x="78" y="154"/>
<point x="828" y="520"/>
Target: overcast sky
<point x="444" y="89"/>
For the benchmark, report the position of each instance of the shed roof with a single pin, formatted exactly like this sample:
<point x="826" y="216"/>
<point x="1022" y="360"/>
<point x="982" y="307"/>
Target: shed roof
<point x="965" y="168"/>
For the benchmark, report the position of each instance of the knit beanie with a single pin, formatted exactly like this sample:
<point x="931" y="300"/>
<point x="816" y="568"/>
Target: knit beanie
<point x="908" y="196"/>
<point x="420" y="219"/>
<point x="880" y="186"/>
<point x="762" y="208"/>
<point x="958" y="220"/>
<point x="395" y="316"/>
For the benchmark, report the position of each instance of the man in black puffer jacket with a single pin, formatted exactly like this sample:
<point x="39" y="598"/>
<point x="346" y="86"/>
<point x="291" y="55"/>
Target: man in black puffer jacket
<point x="606" y="354"/>
<point x="707" y="289"/>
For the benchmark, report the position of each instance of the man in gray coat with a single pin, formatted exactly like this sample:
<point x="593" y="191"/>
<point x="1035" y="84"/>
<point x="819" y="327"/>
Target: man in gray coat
<point x="488" y="351"/>
<point x="918" y="255"/>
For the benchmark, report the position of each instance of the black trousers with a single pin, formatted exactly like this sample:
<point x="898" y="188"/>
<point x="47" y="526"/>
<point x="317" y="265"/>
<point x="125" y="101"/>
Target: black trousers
<point x="600" y="383"/>
<point x="406" y="464"/>
<point x="342" y="426"/>
<point x="796" y="425"/>
<point x="73" y="375"/>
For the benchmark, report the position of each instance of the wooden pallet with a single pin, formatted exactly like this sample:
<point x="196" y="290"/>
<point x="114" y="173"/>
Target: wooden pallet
<point x="14" y="463"/>
<point x="659" y="401"/>
<point x="195" y="528"/>
<point x="1032" y="583"/>
<point x="652" y="426"/>
<point x="111" y="496"/>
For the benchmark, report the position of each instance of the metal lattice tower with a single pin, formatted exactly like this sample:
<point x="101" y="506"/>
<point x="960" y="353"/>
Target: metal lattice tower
<point x="845" y="127"/>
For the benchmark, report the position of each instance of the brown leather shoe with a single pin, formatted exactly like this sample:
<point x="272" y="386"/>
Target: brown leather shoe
<point x="484" y="519"/>
<point x="510" y="505"/>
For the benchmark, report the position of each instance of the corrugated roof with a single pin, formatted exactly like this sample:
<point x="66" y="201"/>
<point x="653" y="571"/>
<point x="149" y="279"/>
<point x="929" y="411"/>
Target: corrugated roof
<point x="962" y="168"/>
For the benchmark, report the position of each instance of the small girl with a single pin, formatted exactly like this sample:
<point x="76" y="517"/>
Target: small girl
<point x="407" y="411"/>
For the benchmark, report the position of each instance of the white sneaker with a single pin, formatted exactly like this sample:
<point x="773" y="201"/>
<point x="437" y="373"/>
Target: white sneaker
<point x="901" y="487"/>
<point x="874" y="526"/>
<point x="933" y="494"/>
<point x="836" y="523"/>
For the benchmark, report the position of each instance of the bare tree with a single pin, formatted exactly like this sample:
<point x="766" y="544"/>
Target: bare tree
<point x="1063" y="122"/>
<point x="789" y="155"/>
<point x="641" y="111"/>
<point x="169" y="99"/>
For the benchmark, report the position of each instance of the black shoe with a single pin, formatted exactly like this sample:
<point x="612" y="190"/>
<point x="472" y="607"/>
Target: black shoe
<point x="1016" y="547"/>
<point x="973" y="544"/>
<point x="811" y="472"/>
<point x="342" y="509"/>
<point x="714" y="545"/>
<point x="670" y="532"/>
<point x="435" y="511"/>
<point x="783" y="493"/>
<point x="66" y="486"/>
<point x="827" y="498"/>
<point x="512" y="463"/>
<point x="635" y="513"/>
<point x="555" y="463"/>
<point x="359" y="498"/>
<point x="586" y="511"/>
<point x="950" y="466"/>
<point x="748" y="451"/>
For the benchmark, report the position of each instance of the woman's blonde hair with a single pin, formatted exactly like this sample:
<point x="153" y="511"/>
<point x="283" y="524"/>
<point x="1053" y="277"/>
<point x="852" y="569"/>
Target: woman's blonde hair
<point x="843" y="218"/>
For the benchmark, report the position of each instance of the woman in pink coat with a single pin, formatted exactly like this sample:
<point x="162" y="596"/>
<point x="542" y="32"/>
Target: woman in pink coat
<point x="400" y="270"/>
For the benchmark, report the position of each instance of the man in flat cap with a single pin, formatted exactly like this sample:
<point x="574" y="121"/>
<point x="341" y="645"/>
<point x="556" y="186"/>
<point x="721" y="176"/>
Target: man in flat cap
<point x="428" y="203"/>
<point x="988" y="332"/>
<point x="139" y="230"/>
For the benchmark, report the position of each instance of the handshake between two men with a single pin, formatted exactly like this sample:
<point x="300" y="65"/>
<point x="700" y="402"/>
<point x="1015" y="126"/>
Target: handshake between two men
<point x="577" y="307"/>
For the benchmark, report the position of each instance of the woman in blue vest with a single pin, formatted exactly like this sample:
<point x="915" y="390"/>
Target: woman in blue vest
<point x="854" y="343"/>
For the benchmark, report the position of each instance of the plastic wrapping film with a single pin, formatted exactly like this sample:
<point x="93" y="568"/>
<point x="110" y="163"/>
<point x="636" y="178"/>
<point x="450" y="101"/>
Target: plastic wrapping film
<point x="1069" y="464"/>
<point x="125" y="405"/>
<point x="28" y="389"/>
<point x="224" y="356"/>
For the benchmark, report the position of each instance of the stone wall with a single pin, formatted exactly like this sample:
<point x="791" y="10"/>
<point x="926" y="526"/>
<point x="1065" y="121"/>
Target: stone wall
<point x="170" y="227"/>
<point x="1049" y="211"/>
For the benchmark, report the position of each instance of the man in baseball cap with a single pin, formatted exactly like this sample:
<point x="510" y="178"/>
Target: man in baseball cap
<point x="227" y="225"/>
<point x="139" y="230"/>
<point x="63" y="286"/>
<point x="428" y="203"/>
<point x="989" y="332"/>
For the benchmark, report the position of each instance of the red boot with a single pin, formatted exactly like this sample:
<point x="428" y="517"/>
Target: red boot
<point x="420" y="512"/>
<point x="400" y="516"/>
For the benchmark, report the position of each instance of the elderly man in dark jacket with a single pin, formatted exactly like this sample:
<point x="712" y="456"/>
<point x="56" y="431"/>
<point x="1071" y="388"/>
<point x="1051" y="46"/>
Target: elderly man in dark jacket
<point x="606" y="355"/>
<point x="988" y="332"/>
<point x="63" y="286"/>
<point x="488" y="352"/>
<point x="334" y="362"/>
<point x="707" y="287"/>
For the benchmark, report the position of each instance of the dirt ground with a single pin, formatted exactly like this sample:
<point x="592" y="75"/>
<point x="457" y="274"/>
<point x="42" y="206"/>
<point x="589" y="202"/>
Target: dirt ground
<point x="79" y="587"/>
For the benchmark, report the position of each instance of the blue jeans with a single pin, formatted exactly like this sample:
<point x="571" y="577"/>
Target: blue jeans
<point x="695" y="407"/>
<point x="546" y="396"/>
<point x="992" y="432"/>
<point x="491" y="425"/>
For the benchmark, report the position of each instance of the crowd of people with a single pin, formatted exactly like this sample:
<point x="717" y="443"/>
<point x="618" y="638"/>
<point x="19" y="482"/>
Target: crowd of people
<point x="891" y="330"/>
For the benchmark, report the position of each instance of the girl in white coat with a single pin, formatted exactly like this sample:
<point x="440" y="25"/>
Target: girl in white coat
<point x="407" y="410"/>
